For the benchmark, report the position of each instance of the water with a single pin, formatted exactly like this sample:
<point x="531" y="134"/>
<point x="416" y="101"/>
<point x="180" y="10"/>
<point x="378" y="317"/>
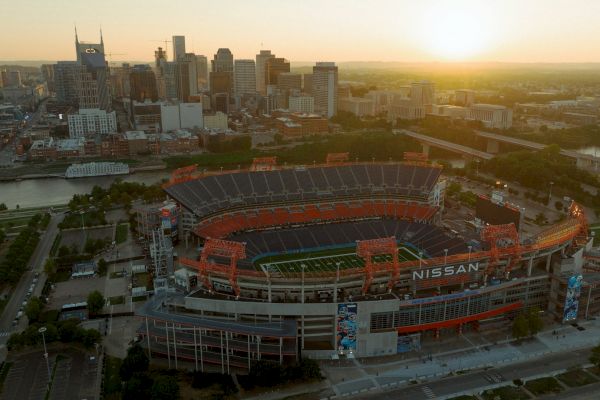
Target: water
<point x="590" y="150"/>
<point x="55" y="191"/>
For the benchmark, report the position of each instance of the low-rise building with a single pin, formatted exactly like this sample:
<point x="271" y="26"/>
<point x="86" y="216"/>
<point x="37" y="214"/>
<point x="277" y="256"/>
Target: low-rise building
<point x="217" y="120"/>
<point x="492" y="115"/>
<point x="302" y="104"/>
<point x="92" y="121"/>
<point x="137" y="142"/>
<point x="357" y="105"/>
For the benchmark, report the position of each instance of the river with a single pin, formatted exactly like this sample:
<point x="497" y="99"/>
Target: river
<point x="55" y="191"/>
<point x="590" y="150"/>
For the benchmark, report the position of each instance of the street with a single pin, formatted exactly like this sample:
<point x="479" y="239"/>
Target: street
<point x="36" y="264"/>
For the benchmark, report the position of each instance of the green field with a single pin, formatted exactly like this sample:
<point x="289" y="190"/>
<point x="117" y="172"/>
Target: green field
<point x="324" y="260"/>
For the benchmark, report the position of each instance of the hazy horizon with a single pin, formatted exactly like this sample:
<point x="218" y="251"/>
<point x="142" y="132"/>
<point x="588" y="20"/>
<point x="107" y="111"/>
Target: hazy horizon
<point x="343" y="31"/>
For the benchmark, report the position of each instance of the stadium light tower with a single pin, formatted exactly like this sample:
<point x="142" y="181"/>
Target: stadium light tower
<point x="302" y="266"/>
<point x="445" y="256"/>
<point x="550" y="192"/>
<point x="42" y="330"/>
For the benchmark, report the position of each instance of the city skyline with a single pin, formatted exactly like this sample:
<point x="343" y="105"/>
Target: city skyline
<point x="460" y="31"/>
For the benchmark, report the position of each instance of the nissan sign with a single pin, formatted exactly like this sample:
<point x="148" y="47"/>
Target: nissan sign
<point x="445" y="271"/>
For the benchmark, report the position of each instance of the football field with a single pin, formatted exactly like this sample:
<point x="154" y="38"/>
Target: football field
<point x="325" y="260"/>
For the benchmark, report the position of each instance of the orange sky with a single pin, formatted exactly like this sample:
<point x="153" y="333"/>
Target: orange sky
<point x="310" y="30"/>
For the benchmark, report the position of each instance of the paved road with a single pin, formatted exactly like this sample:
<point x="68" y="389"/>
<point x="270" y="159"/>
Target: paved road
<point x="36" y="264"/>
<point x="474" y="380"/>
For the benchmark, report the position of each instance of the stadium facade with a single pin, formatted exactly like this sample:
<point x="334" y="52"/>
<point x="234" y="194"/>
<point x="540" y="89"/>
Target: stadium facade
<point x="346" y="259"/>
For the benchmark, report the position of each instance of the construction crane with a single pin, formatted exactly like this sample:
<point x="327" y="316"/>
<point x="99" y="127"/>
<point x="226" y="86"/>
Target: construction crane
<point x="165" y="42"/>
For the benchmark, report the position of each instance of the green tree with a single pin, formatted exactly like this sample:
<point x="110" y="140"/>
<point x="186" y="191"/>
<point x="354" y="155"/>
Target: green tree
<point x="95" y="302"/>
<point x="33" y="309"/>
<point x="2" y="235"/>
<point x="102" y="266"/>
<point x="454" y="188"/>
<point x="3" y="207"/>
<point x="535" y="322"/>
<point x="50" y="266"/>
<point x="135" y="361"/>
<point x="164" y="387"/>
<point x="520" y="327"/>
<point x="594" y="356"/>
<point x="137" y="387"/>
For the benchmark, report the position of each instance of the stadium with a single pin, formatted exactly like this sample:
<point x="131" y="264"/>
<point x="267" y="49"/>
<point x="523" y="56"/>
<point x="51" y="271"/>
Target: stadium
<point x="343" y="260"/>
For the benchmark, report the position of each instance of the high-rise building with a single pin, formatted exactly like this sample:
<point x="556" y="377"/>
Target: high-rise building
<point x="307" y="84"/>
<point x="202" y="72"/>
<point x="273" y="68"/>
<point x="13" y="78"/>
<point x="182" y="78"/>
<point x="142" y="83"/>
<point x="290" y="81"/>
<point x="178" y="47"/>
<point x="159" y="56"/>
<point x="93" y="87"/>
<point x="422" y="93"/>
<point x="244" y="77"/>
<point x="88" y="47"/>
<point x="119" y="81"/>
<point x="464" y="97"/>
<point x="166" y="82"/>
<point x="261" y="60"/>
<point x="325" y="86"/>
<point x="65" y="73"/>
<point x="302" y="104"/>
<point x="222" y="61"/>
<point x="48" y="75"/>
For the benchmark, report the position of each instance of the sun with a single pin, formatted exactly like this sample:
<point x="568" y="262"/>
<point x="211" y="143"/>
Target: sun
<point x="456" y="32"/>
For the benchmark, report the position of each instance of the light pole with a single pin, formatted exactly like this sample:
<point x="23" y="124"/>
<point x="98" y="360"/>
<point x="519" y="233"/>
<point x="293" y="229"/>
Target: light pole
<point x="420" y="259"/>
<point x="445" y="256"/>
<point x="550" y="192"/>
<point x="42" y="330"/>
<point x="470" y="248"/>
<point x="303" y="266"/>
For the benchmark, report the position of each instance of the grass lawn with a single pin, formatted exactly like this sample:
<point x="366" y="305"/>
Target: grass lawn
<point x="505" y="393"/>
<point x="111" y="379"/>
<point x="323" y="260"/>
<point x="116" y="300"/>
<point x="121" y="234"/>
<point x="576" y="377"/>
<point x="543" y="386"/>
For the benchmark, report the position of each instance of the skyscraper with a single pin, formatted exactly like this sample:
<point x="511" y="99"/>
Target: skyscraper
<point x="48" y="75"/>
<point x="273" y="67"/>
<point x="261" y="60"/>
<point x="178" y="47"/>
<point x="142" y="83"/>
<point x="325" y="86"/>
<point x="65" y="73"/>
<point x="88" y="47"/>
<point x="222" y="61"/>
<point x="422" y="93"/>
<point x="202" y="72"/>
<point x="244" y="77"/>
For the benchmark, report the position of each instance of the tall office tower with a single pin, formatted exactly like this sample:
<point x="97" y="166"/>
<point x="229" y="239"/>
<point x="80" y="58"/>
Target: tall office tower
<point x="307" y="83"/>
<point x="182" y="79"/>
<point x="13" y="78"/>
<point x="274" y="67"/>
<point x="290" y="81"/>
<point x="190" y="60"/>
<point x="202" y="72"/>
<point x="325" y="86"/>
<point x="422" y="93"/>
<point x="93" y="84"/>
<point x="168" y="73"/>
<point x="88" y="47"/>
<point x="119" y="81"/>
<point x="142" y="83"/>
<point x="65" y="73"/>
<point x="244" y="77"/>
<point x="261" y="60"/>
<point x="159" y="56"/>
<point x="48" y="75"/>
<point x="178" y="47"/>
<point x="222" y="61"/>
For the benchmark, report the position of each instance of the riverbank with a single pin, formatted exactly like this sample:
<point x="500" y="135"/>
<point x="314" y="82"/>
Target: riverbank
<point x="20" y="177"/>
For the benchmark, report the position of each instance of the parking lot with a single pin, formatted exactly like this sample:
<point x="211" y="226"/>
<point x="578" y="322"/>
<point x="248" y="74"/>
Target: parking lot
<point x="74" y="291"/>
<point x="78" y="237"/>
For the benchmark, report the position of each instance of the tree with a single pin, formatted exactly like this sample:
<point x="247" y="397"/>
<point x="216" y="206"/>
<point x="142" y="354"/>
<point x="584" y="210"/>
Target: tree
<point x="3" y="207"/>
<point x="95" y="302"/>
<point x="534" y="321"/>
<point x="594" y="356"/>
<point x="102" y="267"/>
<point x="33" y="309"/>
<point x="135" y="361"/>
<point x="558" y="205"/>
<point x="164" y="387"/>
<point x="520" y="327"/>
<point x="137" y="387"/>
<point x="50" y="266"/>
<point x="454" y="188"/>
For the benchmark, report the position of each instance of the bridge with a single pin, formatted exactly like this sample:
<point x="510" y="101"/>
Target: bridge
<point x="427" y="141"/>
<point x="494" y="139"/>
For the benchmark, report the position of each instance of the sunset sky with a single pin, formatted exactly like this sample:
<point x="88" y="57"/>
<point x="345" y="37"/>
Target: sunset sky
<point x="309" y="30"/>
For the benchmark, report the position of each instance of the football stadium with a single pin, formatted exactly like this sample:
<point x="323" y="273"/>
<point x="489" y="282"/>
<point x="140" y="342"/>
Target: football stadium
<point x="346" y="259"/>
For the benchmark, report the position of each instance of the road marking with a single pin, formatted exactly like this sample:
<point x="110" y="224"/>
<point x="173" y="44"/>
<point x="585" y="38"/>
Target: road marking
<point x="428" y="392"/>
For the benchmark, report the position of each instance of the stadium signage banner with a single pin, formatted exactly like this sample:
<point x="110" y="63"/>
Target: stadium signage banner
<point x="346" y="327"/>
<point x="445" y="271"/>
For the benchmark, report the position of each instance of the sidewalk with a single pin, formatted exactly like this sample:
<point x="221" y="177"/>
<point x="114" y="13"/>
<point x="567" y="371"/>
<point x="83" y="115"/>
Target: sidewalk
<point x="360" y="377"/>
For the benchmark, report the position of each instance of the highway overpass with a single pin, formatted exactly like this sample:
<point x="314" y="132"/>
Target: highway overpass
<point x="493" y="140"/>
<point x="428" y="141"/>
